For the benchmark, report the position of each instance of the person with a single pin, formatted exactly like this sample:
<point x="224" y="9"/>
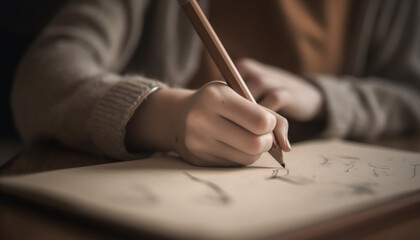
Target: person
<point x="110" y="77"/>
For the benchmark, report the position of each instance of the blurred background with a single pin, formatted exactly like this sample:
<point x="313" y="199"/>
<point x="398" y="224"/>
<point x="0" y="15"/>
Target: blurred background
<point x="20" y="22"/>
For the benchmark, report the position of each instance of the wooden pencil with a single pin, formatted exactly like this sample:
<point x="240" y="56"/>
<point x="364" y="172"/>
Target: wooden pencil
<point x="223" y="61"/>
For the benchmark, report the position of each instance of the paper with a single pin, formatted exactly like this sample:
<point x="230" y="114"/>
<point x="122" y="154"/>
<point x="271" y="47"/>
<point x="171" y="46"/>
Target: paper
<point x="324" y="179"/>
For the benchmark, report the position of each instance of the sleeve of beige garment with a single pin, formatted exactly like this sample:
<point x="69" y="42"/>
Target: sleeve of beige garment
<point x="66" y="89"/>
<point x="382" y="95"/>
<point x="369" y="108"/>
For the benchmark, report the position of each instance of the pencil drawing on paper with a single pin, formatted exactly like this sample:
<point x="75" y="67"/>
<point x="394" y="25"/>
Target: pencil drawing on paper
<point x="414" y="170"/>
<point x="350" y="165"/>
<point x="222" y="196"/>
<point x="326" y="162"/>
<point x="379" y="170"/>
<point x="286" y="177"/>
<point x="348" y="161"/>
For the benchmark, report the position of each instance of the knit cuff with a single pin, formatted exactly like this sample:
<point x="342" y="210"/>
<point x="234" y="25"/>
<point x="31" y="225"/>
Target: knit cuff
<point x="338" y="106"/>
<point x="113" y="111"/>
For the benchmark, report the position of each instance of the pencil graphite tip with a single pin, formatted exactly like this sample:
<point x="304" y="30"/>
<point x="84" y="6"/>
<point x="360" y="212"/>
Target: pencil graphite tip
<point x="283" y="165"/>
<point x="277" y="154"/>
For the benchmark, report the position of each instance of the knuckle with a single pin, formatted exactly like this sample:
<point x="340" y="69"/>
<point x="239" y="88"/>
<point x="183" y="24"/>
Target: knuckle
<point x="211" y="93"/>
<point x="256" y="145"/>
<point x="265" y="123"/>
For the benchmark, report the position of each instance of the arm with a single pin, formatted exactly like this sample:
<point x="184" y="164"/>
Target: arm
<point x="369" y="108"/>
<point x="65" y="88"/>
<point x="381" y="95"/>
<point x="213" y="126"/>
<point x="357" y="108"/>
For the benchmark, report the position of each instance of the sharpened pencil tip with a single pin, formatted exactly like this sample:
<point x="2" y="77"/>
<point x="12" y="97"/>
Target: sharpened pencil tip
<point x="277" y="154"/>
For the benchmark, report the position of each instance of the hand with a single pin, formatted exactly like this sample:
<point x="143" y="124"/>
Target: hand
<point x="282" y="91"/>
<point x="213" y="126"/>
<point x="221" y="128"/>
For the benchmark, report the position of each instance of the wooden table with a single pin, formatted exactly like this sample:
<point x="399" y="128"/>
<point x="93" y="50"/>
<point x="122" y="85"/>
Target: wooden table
<point x="21" y="219"/>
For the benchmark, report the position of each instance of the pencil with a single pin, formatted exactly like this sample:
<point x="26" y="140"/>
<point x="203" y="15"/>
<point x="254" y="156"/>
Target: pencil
<point x="223" y="61"/>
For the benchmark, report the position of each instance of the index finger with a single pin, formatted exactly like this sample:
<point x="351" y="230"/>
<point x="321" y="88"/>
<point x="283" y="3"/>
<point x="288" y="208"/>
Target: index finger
<point x="281" y="131"/>
<point x="245" y="113"/>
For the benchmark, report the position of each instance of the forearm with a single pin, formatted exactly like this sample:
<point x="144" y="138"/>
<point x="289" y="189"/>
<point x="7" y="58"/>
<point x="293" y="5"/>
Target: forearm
<point x="68" y="87"/>
<point x="78" y="106"/>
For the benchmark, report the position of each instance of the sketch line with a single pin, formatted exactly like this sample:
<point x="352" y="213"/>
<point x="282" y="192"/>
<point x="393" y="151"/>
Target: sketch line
<point x="223" y="196"/>
<point x="376" y="168"/>
<point x="375" y="173"/>
<point x="350" y="165"/>
<point x="326" y="161"/>
<point x="414" y="170"/>
<point x="348" y="161"/>
<point x="289" y="179"/>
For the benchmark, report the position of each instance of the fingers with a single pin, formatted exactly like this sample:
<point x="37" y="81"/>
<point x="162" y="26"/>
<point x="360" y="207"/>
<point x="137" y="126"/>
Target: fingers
<point x="221" y="155"/>
<point x="246" y="114"/>
<point x="276" y="99"/>
<point x="239" y="138"/>
<point x="238" y="157"/>
<point x="247" y="66"/>
<point x="253" y="80"/>
<point x="250" y="66"/>
<point x="224" y="129"/>
<point x="211" y="160"/>
<point x="202" y="132"/>
<point x="281" y="132"/>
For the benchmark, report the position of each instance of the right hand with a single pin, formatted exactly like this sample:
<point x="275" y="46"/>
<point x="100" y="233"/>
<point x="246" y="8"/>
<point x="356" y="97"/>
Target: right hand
<point x="218" y="127"/>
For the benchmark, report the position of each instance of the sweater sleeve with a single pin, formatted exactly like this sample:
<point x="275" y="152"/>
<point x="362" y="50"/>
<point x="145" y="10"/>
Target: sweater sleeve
<point x="368" y="108"/>
<point x="380" y="96"/>
<point x="66" y="87"/>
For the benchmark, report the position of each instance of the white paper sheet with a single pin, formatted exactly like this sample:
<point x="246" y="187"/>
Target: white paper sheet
<point x="324" y="179"/>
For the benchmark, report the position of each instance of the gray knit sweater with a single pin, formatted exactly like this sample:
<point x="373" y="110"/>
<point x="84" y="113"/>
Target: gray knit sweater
<point x="95" y="63"/>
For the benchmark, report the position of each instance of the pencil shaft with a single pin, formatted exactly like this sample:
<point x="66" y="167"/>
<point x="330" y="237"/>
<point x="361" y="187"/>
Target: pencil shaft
<point x="216" y="49"/>
<point x="222" y="60"/>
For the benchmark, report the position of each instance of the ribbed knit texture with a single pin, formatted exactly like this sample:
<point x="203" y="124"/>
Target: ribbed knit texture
<point x="72" y="86"/>
<point x="114" y="110"/>
<point x="339" y="105"/>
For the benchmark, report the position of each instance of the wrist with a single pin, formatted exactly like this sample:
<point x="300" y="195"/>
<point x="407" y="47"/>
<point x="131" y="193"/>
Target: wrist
<point x="154" y="123"/>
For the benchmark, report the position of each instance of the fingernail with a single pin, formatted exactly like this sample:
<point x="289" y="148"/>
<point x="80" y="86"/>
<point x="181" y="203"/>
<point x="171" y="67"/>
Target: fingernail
<point x="288" y="144"/>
